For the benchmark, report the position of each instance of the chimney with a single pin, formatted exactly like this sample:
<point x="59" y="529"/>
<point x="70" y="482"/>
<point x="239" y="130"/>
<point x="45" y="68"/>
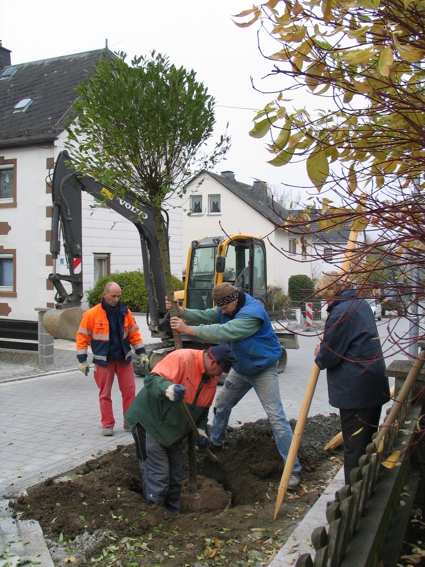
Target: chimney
<point x="228" y="175"/>
<point x="4" y="56"/>
<point x="259" y="188"/>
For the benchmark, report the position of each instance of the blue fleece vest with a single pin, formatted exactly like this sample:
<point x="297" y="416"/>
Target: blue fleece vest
<point x="260" y="350"/>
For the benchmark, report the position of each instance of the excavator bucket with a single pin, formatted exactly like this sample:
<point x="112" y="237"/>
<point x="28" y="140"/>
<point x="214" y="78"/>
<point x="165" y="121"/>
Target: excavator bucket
<point x="63" y="323"/>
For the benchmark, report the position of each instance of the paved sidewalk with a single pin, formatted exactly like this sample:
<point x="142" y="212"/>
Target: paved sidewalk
<point x="50" y="424"/>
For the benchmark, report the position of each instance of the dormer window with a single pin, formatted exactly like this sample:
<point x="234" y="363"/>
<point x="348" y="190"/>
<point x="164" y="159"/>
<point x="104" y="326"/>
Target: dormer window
<point x="8" y="73"/>
<point x="23" y="105"/>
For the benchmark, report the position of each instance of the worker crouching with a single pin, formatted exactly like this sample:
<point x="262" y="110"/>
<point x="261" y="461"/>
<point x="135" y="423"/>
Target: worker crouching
<point x="158" y="423"/>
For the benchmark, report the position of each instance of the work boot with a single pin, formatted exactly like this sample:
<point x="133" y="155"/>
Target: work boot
<point x="294" y="480"/>
<point x="216" y="449"/>
<point x="108" y="431"/>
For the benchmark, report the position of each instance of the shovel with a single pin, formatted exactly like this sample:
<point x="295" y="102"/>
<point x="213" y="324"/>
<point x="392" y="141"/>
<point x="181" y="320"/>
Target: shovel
<point x="212" y="467"/>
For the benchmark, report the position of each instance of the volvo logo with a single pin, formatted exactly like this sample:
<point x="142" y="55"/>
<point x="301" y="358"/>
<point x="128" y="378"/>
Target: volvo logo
<point x="132" y="208"/>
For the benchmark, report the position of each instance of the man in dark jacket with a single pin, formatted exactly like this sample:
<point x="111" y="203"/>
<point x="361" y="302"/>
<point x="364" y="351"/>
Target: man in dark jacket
<point x="242" y="321"/>
<point x="158" y="423"/>
<point x="355" y="368"/>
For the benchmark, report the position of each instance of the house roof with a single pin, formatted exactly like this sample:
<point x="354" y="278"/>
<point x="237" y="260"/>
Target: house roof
<point x="256" y="197"/>
<point x="253" y="195"/>
<point x="335" y="236"/>
<point x="51" y="84"/>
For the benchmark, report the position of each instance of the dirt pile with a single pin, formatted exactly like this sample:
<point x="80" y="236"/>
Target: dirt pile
<point x="96" y="514"/>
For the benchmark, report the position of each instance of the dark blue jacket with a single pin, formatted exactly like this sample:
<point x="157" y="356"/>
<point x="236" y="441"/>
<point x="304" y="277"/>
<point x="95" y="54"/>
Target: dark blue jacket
<point x="351" y="352"/>
<point x="260" y="350"/>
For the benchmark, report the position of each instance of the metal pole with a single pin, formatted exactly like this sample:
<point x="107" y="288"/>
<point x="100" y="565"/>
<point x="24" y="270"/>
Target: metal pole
<point x="413" y="307"/>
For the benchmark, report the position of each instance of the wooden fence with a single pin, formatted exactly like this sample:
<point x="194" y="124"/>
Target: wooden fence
<point x="367" y="525"/>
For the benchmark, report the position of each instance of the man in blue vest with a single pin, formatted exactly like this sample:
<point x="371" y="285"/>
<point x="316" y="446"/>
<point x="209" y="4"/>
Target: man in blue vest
<point x="242" y="321"/>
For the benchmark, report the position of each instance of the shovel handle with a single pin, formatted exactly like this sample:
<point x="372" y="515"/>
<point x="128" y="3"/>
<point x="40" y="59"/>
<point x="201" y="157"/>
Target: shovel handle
<point x="195" y="430"/>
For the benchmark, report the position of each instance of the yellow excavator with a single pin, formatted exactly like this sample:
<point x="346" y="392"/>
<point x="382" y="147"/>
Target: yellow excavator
<point x="239" y="259"/>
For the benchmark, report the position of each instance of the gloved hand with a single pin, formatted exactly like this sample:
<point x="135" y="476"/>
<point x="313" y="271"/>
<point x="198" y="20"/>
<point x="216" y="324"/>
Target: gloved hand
<point x="144" y="362"/>
<point x="175" y="392"/>
<point x="84" y="367"/>
<point x="203" y="442"/>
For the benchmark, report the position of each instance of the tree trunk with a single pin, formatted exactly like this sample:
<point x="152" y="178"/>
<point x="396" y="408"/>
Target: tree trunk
<point x="191" y="462"/>
<point x="163" y="248"/>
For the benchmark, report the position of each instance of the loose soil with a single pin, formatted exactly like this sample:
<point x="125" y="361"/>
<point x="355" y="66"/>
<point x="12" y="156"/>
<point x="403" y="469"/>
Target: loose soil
<point x="96" y="515"/>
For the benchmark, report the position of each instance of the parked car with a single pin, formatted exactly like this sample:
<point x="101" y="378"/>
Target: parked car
<point x="392" y="298"/>
<point x="376" y="308"/>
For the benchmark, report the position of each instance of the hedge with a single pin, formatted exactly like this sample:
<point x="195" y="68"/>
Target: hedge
<point x="134" y="293"/>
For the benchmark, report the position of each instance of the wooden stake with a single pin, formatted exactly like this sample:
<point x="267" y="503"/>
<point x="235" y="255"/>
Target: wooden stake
<point x="296" y="440"/>
<point x="401" y="398"/>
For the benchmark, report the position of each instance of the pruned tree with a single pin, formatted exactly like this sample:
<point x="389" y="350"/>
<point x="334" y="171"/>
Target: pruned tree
<point x="365" y="147"/>
<point x="141" y="128"/>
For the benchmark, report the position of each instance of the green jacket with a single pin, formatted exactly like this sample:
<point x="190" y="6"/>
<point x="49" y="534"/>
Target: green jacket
<point x="162" y="418"/>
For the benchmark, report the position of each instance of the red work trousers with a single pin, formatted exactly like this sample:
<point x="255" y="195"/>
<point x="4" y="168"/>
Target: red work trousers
<point x="104" y="376"/>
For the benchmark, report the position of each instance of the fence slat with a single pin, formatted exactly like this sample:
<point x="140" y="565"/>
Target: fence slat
<point x="357" y="536"/>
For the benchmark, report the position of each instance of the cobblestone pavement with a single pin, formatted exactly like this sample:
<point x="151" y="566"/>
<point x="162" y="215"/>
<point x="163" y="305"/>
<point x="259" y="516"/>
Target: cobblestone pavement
<point x="49" y="421"/>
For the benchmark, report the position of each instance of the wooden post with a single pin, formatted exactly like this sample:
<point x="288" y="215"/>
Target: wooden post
<point x="296" y="440"/>
<point x="400" y="399"/>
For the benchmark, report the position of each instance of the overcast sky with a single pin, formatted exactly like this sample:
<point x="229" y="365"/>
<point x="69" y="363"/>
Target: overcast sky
<point x="197" y="34"/>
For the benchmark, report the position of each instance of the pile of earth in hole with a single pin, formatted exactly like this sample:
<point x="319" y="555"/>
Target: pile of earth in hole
<point x="104" y="495"/>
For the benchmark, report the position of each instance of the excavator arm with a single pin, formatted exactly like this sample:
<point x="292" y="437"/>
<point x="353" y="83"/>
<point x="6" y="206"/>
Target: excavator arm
<point x="67" y="188"/>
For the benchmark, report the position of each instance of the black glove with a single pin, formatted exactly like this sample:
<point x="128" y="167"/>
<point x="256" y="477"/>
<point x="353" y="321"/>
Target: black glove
<point x="203" y="442"/>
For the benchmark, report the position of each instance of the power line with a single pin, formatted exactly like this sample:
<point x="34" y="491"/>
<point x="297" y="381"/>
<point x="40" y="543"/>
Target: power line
<point x="238" y="107"/>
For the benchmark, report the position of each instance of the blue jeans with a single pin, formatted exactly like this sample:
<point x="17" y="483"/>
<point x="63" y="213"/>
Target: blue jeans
<point x="266" y="386"/>
<point x="161" y="468"/>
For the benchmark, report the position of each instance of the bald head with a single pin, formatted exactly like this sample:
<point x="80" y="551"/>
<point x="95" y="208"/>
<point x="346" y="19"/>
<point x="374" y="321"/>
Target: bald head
<point x="112" y="294"/>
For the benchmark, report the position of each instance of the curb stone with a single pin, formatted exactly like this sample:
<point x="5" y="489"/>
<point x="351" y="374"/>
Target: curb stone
<point x="21" y="540"/>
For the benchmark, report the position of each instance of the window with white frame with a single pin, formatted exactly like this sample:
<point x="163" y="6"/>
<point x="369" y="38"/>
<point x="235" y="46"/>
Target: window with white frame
<point x="7" y="273"/>
<point x="292" y="249"/>
<point x="102" y="266"/>
<point x="7" y="182"/>
<point x="214" y="204"/>
<point x="196" y="204"/>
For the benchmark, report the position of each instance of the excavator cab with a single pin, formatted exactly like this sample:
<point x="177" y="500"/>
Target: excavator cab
<point x="239" y="259"/>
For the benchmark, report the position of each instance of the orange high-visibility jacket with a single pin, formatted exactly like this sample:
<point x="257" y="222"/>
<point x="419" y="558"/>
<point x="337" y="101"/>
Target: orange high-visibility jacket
<point x="162" y="418"/>
<point x="94" y="331"/>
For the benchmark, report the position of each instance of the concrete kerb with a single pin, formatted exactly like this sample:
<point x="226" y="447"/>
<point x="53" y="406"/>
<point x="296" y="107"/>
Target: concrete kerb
<point x="299" y="541"/>
<point x="23" y="541"/>
<point x="36" y="374"/>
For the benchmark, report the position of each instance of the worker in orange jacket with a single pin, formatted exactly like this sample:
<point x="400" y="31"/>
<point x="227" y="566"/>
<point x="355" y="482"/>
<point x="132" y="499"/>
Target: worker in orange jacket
<point x="158" y="423"/>
<point x="110" y="329"/>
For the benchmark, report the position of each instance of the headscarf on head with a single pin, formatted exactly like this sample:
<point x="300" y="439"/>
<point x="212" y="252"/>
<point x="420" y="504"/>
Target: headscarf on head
<point x="224" y="293"/>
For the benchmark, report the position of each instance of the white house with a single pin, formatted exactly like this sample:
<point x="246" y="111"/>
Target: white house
<point x="36" y="99"/>
<point x="217" y="205"/>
